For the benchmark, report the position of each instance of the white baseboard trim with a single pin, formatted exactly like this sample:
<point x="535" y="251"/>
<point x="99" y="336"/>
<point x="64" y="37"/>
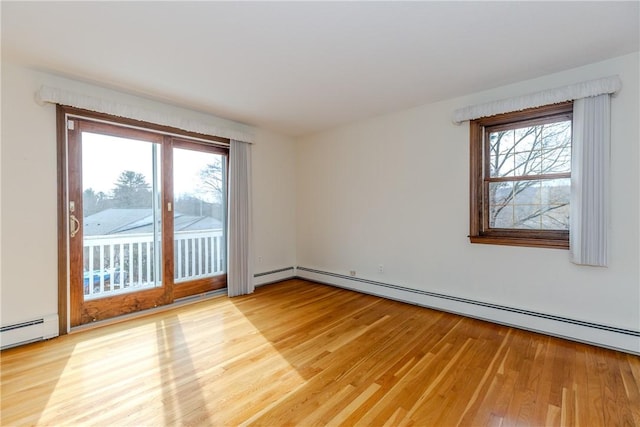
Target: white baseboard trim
<point x="273" y="276"/>
<point x="576" y="330"/>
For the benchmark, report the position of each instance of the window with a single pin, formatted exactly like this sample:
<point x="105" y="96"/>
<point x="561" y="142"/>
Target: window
<point x="521" y="177"/>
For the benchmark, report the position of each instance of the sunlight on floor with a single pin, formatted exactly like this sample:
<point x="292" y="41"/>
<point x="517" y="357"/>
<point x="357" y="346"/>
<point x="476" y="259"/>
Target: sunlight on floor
<point x="162" y="371"/>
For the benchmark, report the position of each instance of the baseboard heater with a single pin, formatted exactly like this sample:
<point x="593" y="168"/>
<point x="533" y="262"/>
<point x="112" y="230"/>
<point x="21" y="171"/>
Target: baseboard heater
<point x="28" y="332"/>
<point x="577" y="330"/>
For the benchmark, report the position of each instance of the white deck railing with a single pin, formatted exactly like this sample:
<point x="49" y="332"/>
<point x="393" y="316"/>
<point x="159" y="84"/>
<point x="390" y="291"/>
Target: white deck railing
<point x="118" y="264"/>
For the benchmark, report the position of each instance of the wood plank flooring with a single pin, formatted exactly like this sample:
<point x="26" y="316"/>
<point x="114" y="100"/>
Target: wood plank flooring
<point x="299" y="353"/>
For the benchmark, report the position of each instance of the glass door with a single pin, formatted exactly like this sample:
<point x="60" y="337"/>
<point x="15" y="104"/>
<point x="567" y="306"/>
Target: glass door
<point x="199" y="218"/>
<point x="115" y="221"/>
<point x="122" y="232"/>
<point x="147" y="219"/>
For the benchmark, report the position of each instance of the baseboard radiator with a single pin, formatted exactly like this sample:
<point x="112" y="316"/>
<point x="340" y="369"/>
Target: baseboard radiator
<point x="28" y="332"/>
<point x="622" y="339"/>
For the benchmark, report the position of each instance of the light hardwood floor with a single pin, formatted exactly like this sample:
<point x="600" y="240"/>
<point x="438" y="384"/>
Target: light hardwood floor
<point x="298" y="353"/>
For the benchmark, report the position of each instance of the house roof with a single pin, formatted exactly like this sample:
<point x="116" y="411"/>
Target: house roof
<point x="130" y="221"/>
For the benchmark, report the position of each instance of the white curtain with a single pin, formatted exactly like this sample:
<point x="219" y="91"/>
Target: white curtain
<point x="590" y="180"/>
<point x="240" y="268"/>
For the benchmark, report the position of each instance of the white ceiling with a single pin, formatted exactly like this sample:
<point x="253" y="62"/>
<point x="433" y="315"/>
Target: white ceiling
<point x="302" y="67"/>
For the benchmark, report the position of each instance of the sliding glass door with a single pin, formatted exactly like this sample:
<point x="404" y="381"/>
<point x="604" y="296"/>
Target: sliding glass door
<point x="146" y="218"/>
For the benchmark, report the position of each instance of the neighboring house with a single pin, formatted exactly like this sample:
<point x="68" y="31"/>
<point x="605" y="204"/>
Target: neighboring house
<point x="129" y="221"/>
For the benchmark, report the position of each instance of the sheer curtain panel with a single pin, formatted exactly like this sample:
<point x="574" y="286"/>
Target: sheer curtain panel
<point x="240" y="269"/>
<point x="590" y="180"/>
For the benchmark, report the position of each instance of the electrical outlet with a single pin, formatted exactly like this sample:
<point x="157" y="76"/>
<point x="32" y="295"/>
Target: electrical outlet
<point x="381" y="268"/>
<point x="352" y="273"/>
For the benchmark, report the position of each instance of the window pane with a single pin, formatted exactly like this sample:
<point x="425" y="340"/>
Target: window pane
<point x="501" y="154"/>
<point x="199" y="214"/>
<point x="556" y="148"/>
<point x="501" y="204"/>
<point x="531" y="150"/>
<point x="121" y="193"/>
<point x="535" y="204"/>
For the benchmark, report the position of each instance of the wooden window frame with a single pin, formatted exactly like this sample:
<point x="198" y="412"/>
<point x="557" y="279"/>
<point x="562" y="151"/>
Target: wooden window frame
<point x="480" y="232"/>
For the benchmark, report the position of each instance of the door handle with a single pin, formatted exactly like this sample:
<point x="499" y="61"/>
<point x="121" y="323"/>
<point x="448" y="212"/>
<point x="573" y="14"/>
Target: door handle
<point x="74" y="225"/>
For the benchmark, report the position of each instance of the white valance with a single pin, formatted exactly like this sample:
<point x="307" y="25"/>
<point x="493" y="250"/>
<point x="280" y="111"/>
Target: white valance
<point x="53" y="95"/>
<point x="606" y="85"/>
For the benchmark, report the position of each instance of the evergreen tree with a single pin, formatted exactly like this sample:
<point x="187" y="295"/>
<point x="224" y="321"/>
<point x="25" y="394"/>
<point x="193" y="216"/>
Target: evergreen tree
<point x="131" y="191"/>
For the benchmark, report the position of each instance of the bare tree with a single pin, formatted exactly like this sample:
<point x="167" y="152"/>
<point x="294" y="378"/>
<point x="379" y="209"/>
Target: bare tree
<point x="211" y="182"/>
<point x="529" y="167"/>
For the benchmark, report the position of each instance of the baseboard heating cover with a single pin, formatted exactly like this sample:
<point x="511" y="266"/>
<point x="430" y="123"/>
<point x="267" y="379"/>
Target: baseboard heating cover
<point x="577" y="330"/>
<point x="29" y="331"/>
<point x="273" y="276"/>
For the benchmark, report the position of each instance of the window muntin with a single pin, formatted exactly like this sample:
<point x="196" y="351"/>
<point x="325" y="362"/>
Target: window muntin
<point x="520" y="177"/>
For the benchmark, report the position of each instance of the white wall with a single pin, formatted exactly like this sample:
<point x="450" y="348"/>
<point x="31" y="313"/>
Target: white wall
<point x="28" y="198"/>
<point x="29" y="236"/>
<point x="391" y="190"/>
<point x="394" y="190"/>
<point x="273" y="203"/>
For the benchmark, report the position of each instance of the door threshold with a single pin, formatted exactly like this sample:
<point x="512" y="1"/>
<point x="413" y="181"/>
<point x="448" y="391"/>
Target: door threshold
<point x="192" y="299"/>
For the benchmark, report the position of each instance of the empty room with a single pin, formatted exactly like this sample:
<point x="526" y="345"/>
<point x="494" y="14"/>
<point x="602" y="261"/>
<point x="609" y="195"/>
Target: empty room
<point x="320" y="213"/>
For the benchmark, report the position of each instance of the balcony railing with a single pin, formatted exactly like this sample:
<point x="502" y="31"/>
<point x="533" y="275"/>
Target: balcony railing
<point x="125" y="263"/>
